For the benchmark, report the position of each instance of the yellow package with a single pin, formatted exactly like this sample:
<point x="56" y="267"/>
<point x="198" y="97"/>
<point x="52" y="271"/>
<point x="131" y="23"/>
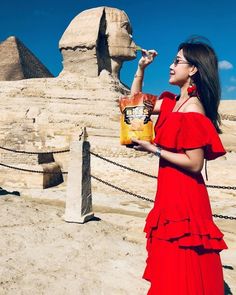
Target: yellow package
<point x="135" y="120"/>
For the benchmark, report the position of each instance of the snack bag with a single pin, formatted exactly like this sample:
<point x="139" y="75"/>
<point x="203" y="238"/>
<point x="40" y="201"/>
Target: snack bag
<point x="135" y="120"/>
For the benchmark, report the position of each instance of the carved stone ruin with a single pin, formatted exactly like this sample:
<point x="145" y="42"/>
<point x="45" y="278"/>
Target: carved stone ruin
<point x="79" y="194"/>
<point x="43" y="114"/>
<point x="97" y="40"/>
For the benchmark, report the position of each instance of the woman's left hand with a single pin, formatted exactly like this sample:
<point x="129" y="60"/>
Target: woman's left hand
<point x="144" y="146"/>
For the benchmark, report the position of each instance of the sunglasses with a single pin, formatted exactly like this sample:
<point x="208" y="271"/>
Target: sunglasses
<point x="178" y="61"/>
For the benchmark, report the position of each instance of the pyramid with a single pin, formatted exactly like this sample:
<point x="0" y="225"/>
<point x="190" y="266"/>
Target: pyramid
<point x="17" y="62"/>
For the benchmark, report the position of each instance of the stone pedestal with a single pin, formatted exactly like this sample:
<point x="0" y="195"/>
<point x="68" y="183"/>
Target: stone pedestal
<point x="79" y="195"/>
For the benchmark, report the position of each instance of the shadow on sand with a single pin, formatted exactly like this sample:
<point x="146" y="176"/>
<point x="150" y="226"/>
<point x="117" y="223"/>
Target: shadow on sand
<point x="226" y="286"/>
<point x="4" y="192"/>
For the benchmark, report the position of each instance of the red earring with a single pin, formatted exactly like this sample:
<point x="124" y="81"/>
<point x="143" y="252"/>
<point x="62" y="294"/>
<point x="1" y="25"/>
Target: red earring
<point x="192" y="89"/>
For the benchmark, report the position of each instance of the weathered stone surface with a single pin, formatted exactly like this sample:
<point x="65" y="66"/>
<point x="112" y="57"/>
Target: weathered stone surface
<point x="95" y="41"/>
<point x="83" y="30"/>
<point x="18" y="62"/>
<point x="79" y="194"/>
<point x="52" y="175"/>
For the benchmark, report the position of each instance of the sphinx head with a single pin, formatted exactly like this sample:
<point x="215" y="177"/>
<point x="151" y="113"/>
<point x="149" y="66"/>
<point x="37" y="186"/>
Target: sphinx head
<point x="96" y="40"/>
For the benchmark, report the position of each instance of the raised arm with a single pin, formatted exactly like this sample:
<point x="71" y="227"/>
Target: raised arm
<point x="137" y="81"/>
<point x="146" y="59"/>
<point x="136" y="87"/>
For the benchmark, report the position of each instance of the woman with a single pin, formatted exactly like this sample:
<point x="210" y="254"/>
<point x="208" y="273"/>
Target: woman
<point x="183" y="243"/>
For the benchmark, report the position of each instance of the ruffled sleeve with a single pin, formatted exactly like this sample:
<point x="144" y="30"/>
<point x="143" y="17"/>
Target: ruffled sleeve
<point x="183" y="131"/>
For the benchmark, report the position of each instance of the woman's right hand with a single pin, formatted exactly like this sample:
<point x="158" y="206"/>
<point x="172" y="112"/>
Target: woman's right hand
<point x="147" y="58"/>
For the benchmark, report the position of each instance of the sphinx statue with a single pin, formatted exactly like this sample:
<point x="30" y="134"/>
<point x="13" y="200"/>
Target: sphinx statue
<point x="97" y="42"/>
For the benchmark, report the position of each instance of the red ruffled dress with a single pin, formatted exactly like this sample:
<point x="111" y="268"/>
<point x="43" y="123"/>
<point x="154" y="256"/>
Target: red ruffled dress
<point x="183" y="243"/>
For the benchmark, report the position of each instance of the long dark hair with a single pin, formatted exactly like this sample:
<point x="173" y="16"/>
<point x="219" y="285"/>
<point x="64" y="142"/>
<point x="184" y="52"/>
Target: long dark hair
<point x="203" y="56"/>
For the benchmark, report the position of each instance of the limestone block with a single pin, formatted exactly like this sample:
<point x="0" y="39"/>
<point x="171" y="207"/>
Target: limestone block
<point x="79" y="195"/>
<point x="52" y="175"/>
<point x="86" y="62"/>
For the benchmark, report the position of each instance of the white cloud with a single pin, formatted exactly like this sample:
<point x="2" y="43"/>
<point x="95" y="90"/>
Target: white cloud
<point x="231" y="88"/>
<point x="225" y="65"/>
<point x="233" y="79"/>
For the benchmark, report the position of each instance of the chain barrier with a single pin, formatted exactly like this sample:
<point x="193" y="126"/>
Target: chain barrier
<point x="34" y="153"/>
<point x="146" y="199"/>
<point x="103" y="181"/>
<point x="223" y="216"/>
<point x="104" y="159"/>
<point x="121" y="189"/>
<point x="221" y="186"/>
<point x="122" y="166"/>
<point x="106" y="183"/>
<point x="32" y="171"/>
<point x="152" y="176"/>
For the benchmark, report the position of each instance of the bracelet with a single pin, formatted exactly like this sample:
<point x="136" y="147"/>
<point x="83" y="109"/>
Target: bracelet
<point x="135" y="76"/>
<point x="158" y="152"/>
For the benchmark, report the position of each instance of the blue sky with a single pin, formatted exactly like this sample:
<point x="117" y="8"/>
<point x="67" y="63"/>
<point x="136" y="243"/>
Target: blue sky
<point x="161" y="25"/>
